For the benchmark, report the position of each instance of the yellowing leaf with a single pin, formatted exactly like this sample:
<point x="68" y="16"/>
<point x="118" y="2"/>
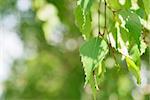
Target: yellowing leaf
<point x="134" y="69"/>
<point x="99" y="69"/>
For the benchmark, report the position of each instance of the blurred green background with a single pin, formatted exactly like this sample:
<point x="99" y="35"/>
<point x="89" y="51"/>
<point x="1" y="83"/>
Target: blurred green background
<point x="39" y="56"/>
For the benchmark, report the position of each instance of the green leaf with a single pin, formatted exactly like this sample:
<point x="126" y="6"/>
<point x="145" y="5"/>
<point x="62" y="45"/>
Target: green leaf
<point x="87" y="5"/>
<point x="124" y="34"/>
<point x="133" y="25"/>
<point x="127" y="4"/>
<point x="125" y="13"/>
<point x="83" y="17"/>
<point x="86" y="28"/>
<point x="135" y="55"/>
<point x="114" y="4"/>
<point x="115" y="36"/>
<point x="140" y="3"/>
<point x="141" y="13"/>
<point x="111" y="26"/>
<point x="100" y="72"/>
<point x="134" y="69"/>
<point x="147" y="6"/>
<point x="79" y="17"/>
<point x="93" y="87"/>
<point x="92" y="52"/>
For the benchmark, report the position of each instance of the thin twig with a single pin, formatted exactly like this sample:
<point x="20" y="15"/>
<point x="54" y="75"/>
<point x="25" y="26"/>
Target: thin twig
<point x="99" y="12"/>
<point x="111" y="48"/>
<point x="105" y="30"/>
<point x="105" y="17"/>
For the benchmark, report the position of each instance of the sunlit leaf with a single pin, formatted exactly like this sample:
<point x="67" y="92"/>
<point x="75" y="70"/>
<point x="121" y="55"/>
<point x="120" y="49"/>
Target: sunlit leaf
<point x="86" y="28"/>
<point x="143" y="46"/>
<point x="87" y="5"/>
<point x="79" y="17"/>
<point x="114" y="4"/>
<point x="146" y="5"/>
<point x="141" y="13"/>
<point x="133" y="25"/>
<point x="134" y="69"/>
<point x="100" y="69"/>
<point x="127" y="4"/>
<point x="135" y="55"/>
<point x="83" y="17"/>
<point x="92" y="52"/>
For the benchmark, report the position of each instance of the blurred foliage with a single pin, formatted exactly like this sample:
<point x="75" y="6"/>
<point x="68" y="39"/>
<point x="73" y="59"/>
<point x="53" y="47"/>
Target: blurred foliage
<point x="51" y="70"/>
